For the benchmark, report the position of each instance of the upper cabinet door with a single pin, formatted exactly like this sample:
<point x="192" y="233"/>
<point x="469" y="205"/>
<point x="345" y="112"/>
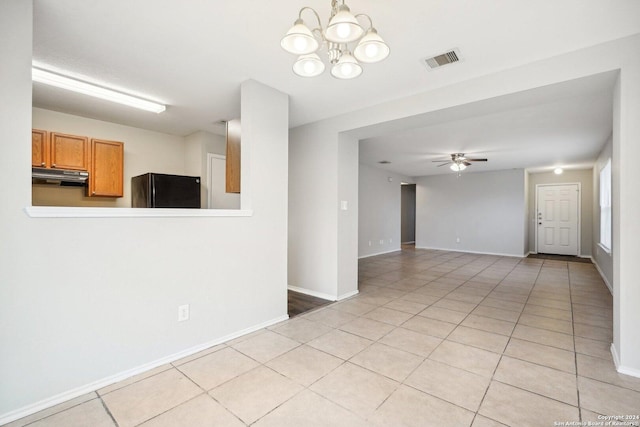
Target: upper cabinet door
<point x="39" y="148"/>
<point x="233" y="156"/>
<point x="69" y="152"/>
<point x="107" y="164"/>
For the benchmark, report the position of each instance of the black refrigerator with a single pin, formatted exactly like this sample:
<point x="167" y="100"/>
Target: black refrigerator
<point x="157" y="190"/>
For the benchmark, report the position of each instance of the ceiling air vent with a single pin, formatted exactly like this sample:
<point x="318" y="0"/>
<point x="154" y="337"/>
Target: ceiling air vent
<point x="384" y="162"/>
<point x="446" y="58"/>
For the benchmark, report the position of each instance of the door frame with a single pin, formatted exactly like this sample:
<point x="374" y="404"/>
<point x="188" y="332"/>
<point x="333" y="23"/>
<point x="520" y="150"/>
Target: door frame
<point x="402" y="222"/>
<point x="579" y="227"/>
<point x="209" y="172"/>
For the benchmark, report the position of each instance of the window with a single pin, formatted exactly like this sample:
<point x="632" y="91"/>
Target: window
<point x="605" y="206"/>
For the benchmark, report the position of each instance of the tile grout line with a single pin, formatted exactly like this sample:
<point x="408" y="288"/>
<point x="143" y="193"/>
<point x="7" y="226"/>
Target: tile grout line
<point x="108" y="411"/>
<point x="506" y="346"/>
<point x="575" y="352"/>
<point x="403" y="382"/>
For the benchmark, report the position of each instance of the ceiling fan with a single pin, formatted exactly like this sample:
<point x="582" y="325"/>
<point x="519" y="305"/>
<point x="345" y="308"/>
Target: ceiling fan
<point x="458" y="162"/>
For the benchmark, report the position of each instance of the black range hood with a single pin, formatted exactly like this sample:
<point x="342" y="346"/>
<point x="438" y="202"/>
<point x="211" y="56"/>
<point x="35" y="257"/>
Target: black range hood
<point x="59" y="177"/>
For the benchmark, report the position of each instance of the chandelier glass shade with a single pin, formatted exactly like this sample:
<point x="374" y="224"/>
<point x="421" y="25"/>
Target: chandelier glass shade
<point x="299" y="39"/>
<point x="347" y="67"/>
<point x="343" y="29"/>
<point x="308" y="65"/>
<point x="371" y="48"/>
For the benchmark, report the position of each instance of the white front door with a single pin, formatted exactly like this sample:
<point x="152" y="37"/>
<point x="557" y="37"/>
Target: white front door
<point x="557" y="219"/>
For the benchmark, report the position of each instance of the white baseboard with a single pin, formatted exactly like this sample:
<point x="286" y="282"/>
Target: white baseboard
<point x="614" y="354"/>
<point x="380" y="253"/>
<point x="604" y="278"/>
<point x="312" y="293"/>
<point x="96" y="385"/>
<point x="623" y="369"/>
<point x="322" y="295"/>
<point x="473" y="252"/>
<point x="348" y="295"/>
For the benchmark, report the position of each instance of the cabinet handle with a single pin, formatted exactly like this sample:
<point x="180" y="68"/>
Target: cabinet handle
<point x="42" y="164"/>
<point x="93" y="193"/>
<point x="53" y="165"/>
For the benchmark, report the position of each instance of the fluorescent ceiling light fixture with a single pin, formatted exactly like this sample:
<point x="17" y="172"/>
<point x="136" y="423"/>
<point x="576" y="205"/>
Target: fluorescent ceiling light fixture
<point x="558" y="171"/>
<point x="57" y="80"/>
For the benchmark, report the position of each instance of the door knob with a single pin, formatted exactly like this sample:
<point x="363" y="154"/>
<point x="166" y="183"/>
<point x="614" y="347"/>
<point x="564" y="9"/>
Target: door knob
<point x="539" y="223"/>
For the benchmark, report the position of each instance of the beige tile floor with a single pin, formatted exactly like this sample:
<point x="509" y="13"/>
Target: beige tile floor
<point x="433" y="339"/>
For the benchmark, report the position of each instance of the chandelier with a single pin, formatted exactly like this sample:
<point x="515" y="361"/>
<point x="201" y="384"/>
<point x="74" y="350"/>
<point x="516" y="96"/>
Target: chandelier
<point x="342" y="30"/>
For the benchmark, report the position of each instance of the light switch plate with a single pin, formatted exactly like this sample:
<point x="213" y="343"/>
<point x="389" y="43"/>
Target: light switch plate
<point x="183" y="313"/>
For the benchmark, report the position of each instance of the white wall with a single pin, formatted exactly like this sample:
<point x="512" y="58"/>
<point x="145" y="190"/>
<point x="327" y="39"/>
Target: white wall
<point x="602" y="259"/>
<point x="380" y="205"/>
<point x="485" y="210"/>
<point x="582" y="176"/>
<point x="626" y="211"/>
<point x="347" y="277"/>
<point x="106" y="306"/>
<point x="527" y="208"/>
<point x="313" y="211"/>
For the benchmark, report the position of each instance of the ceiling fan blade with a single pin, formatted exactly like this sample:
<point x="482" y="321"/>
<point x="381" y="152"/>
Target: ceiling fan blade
<point x="444" y="164"/>
<point x="466" y="163"/>
<point x="440" y="161"/>
<point x="475" y="160"/>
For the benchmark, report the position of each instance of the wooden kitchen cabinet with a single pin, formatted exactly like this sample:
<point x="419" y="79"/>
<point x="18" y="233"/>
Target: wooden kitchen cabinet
<point x="68" y="152"/>
<point x="39" y="148"/>
<point x="107" y="167"/>
<point x="233" y="157"/>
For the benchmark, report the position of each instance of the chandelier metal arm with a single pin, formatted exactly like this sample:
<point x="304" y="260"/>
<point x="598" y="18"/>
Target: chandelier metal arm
<point x="315" y="13"/>
<point x="368" y="18"/>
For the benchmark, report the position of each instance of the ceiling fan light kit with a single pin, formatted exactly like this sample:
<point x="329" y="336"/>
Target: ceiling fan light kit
<point x="342" y="29"/>
<point x="458" y="162"/>
<point x="457" y="167"/>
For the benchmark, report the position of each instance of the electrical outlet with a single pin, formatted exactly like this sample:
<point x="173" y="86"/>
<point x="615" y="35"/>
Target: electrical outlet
<point x="369" y="242"/>
<point x="382" y="241"/>
<point x="183" y="312"/>
<point x="457" y="240"/>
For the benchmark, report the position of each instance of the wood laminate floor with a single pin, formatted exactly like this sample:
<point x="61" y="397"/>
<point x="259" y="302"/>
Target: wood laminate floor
<point x="300" y="303"/>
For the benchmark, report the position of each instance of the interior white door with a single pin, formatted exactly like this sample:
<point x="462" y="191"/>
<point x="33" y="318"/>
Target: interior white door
<point x="218" y="197"/>
<point x="557" y="219"/>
